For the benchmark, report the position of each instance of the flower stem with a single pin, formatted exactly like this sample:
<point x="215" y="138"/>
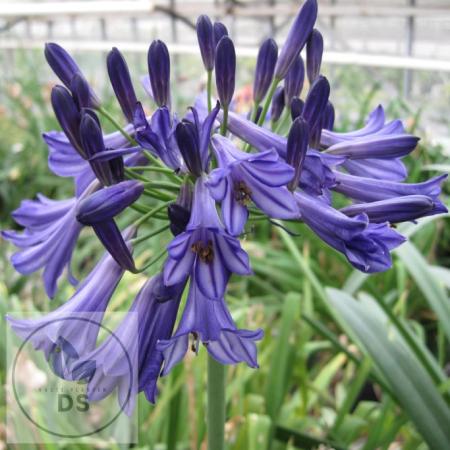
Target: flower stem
<point x="108" y="116"/>
<point x="223" y="127"/>
<point x="209" y="89"/>
<point x="269" y="96"/>
<point x="216" y="405"/>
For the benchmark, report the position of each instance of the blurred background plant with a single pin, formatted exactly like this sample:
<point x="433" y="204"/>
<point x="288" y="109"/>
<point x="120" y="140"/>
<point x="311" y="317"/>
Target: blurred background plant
<point x="335" y="372"/>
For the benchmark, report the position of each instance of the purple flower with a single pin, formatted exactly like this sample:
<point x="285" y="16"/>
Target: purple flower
<point x="293" y="83"/>
<point x="277" y="106"/>
<point x="397" y="209"/>
<point x="159" y="70"/>
<point x="65" y="68"/>
<point x="225" y="65"/>
<point x="247" y="177"/>
<point x="128" y="359"/>
<point x="158" y="136"/>
<point x="265" y="66"/>
<point x="366" y="246"/>
<point x="314" y="50"/>
<point x="193" y="140"/>
<point x="108" y="172"/>
<point x="297" y="38"/>
<point x="205" y="250"/>
<point x="99" y="209"/>
<point x="205" y="37"/>
<point x="51" y="232"/>
<point x="372" y="190"/>
<point x="119" y="76"/>
<point x="210" y="322"/>
<point x="71" y="330"/>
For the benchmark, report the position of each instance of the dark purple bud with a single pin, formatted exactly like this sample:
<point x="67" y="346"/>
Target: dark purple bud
<point x="179" y="212"/>
<point x="188" y="142"/>
<point x="297" y="37"/>
<point x="220" y="30"/>
<point x="297" y="145"/>
<point x="293" y="83"/>
<point x="316" y="101"/>
<point x="225" y="64"/>
<point x="205" y="37"/>
<point x="119" y="76"/>
<point x="80" y="91"/>
<point x="69" y="117"/>
<point x="106" y="203"/>
<point x="328" y="117"/>
<point x="107" y="172"/>
<point x="265" y="66"/>
<point x="297" y="106"/>
<point x="314" y="51"/>
<point x="65" y="68"/>
<point x="277" y="104"/>
<point x="258" y="113"/>
<point x="111" y="238"/>
<point x="159" y="70"/>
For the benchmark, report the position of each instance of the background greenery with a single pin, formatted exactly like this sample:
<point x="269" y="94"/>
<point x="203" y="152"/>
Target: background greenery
<point x="347" y="361"/>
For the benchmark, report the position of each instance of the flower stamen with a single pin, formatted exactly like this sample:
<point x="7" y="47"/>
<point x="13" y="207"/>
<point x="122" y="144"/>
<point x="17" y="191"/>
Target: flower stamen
<point x="242" y="193"/>
<point x="204" y="252"/>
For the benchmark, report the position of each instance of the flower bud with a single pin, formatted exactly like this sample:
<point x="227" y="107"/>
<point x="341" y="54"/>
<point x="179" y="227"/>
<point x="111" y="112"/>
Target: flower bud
<point x="205" y="37"/>
<point x="316" y="101"/>
<point x="119" y="76"/>
<point x="328" y="117"/>
<point x="68" y="115"/>
<point x="297" y="145"/>
<point x="277" y="104"/>
<point x="179" y="212"/>
<point x="188" y="142"/>
<point x="220" y="30"/>
<point x="314" y="51"/>
<point x="65" y="68"/>
<point x="297" y="37"/>
<point x="297" y="106"/>
<point x="159" y="71"/>
<point x="265" y="66"/>
<point x="293" y="83"/>
<point x="80" y="91"/>
<point x="225" y="64"/>
<point x="106" y="203"/>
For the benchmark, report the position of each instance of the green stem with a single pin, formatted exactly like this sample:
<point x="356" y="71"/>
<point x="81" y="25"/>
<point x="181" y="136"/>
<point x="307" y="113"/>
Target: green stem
<point x="209" y="89"/>
<point x="143" y="238"/>
<point x="154" y="260"/>
<point x="151" y="169"/>
<point x="216" y="405"/>
<point x="162" y="185"/>
<point x="159" y="163"/>
<point x="223" y="127"/>
<point x="269" y="96"/>
<point x="108" y="116"/>
<point x="151" y="213"/>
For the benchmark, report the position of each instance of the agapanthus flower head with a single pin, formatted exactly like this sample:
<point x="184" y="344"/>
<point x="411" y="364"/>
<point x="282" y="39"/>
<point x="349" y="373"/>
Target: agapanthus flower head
<point x="159" y="70"/>
<point x="205" y="37"/>
<point x="265" y="66"/>
<point x="297" y="38"/>
<point x="65" y="68"/>
<point x="225" y="66"/>
<point x="120" y="78"/>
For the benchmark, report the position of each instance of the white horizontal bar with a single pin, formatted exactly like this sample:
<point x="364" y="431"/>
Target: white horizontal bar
<point x="130" y="7"/>
<point x="357" y="59"/>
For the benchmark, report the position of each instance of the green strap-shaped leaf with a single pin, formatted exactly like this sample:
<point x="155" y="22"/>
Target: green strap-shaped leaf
<point x="409" y="381"/>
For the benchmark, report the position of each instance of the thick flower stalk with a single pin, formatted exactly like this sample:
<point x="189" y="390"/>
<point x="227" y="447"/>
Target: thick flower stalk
<point x="204" y="176"/>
